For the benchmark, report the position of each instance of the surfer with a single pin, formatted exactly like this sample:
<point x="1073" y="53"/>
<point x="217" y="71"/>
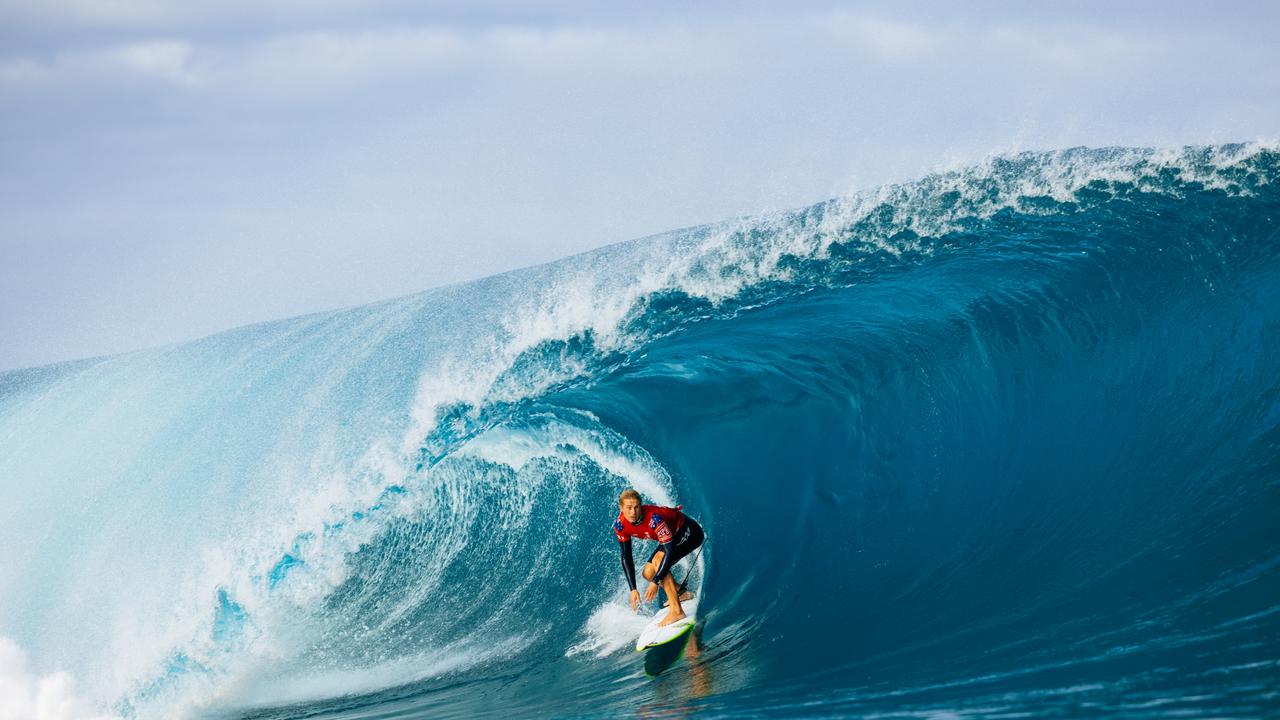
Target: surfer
<point x="677" y="535"/>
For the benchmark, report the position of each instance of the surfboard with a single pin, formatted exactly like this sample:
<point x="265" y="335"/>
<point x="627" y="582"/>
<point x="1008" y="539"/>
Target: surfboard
<point x="654" y="634"/>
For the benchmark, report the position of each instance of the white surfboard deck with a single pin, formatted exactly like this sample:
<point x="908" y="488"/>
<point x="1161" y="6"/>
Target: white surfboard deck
<point x="654" y="634"/>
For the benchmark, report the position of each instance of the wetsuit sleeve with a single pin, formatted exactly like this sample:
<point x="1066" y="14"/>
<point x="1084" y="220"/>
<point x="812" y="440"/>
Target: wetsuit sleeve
<point x="628" y="563"/>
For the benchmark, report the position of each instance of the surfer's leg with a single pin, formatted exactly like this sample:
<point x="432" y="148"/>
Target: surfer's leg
<point x="651" y="567"/>
<point x="667" y="585"/>
<point x="690" y="539"/>
<point x="686" y="595"/>
<point x="676" y="612"/>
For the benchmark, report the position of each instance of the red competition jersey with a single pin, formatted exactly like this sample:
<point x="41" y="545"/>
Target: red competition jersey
<point x="656" y="523"/>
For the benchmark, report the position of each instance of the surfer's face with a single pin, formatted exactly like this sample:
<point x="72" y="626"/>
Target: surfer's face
<point x="631" y="510"/>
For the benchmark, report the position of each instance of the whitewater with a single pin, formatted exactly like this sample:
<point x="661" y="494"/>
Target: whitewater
<point x="1003" y="441"/>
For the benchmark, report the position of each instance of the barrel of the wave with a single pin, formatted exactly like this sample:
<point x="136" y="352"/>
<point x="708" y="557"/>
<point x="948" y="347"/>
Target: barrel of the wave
<point x="678" y="536"/>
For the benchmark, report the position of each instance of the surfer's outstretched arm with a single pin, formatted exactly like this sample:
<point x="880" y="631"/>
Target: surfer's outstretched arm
<point x="629" y="571"/>
<point x="628" y="563"/>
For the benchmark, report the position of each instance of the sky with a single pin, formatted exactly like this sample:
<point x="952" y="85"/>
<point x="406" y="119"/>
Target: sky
<point x="173" y="169"/>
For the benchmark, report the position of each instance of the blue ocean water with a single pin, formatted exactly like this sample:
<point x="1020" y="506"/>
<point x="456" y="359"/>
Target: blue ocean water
<point x="1000" y="442"/>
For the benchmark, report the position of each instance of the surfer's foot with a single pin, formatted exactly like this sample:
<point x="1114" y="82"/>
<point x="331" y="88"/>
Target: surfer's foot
<point x="686" y="595"/>
<point x="671" y="617"/>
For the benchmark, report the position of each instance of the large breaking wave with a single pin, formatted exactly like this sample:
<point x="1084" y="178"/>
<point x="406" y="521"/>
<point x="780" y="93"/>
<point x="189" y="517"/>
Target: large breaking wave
<point x="1001" y="440"/>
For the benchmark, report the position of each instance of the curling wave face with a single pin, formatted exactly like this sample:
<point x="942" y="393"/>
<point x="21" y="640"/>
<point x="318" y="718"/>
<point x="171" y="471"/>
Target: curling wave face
<point x="1004" y="439"/>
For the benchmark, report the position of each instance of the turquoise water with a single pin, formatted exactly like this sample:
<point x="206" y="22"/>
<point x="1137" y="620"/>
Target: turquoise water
<point x="1003" y="441"/>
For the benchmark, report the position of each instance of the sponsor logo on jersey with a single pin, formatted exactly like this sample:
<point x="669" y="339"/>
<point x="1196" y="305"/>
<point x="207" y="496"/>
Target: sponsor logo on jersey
<point x="664" y="532"/>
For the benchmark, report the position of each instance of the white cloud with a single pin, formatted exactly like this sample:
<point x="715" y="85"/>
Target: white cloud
<point x="887" y="39"/>
<point x="1079" y="48"/>
<point x="279" y="67"/>
<point x="315" y="65"/>
<point x="165" y="61"/>
<point x="22" y="72"/>
<point x="276" y="70"/>
<point x="153" y="15"/>
<point x="332" y="63"/>
<point x="894" y="39"/>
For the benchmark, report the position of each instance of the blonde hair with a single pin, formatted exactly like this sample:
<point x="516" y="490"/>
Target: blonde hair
<point x="628" y="494"/>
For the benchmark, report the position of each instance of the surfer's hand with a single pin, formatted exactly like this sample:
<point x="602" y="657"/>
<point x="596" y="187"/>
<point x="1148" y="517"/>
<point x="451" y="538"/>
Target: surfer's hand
<point x="650" y="592"/>
<point x="635" y="599"/>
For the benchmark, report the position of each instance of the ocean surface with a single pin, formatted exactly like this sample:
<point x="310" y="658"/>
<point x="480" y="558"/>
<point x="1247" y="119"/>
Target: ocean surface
<point x="1000" y="442"/>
